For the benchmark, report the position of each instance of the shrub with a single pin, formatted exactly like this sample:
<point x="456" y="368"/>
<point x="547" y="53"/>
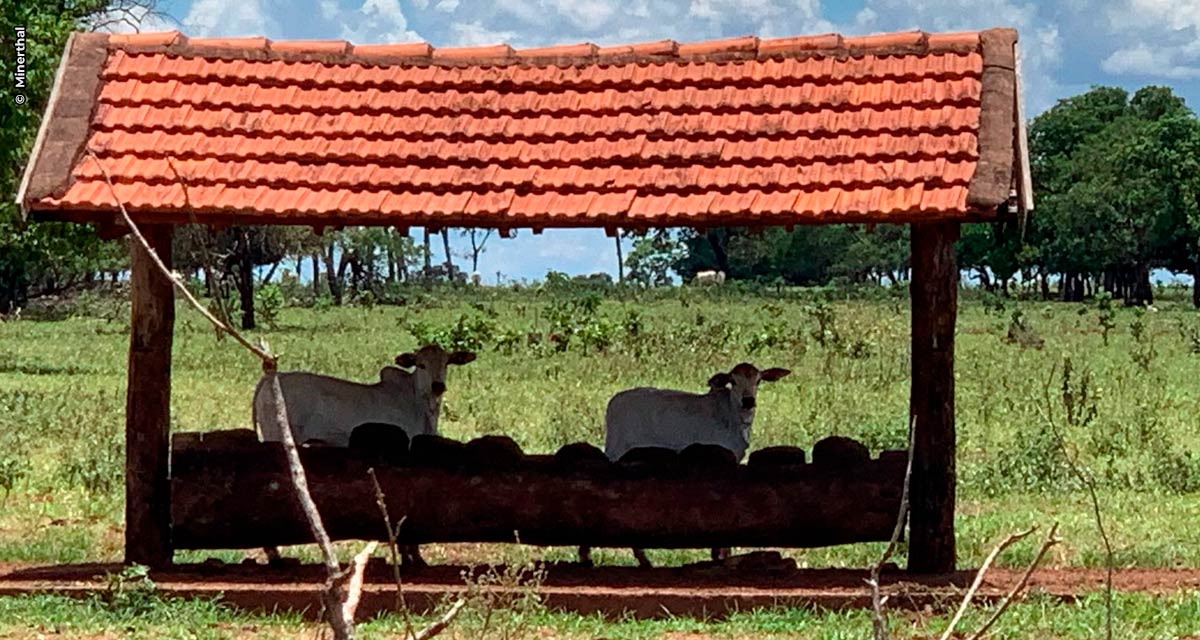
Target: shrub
<point x="268" y="302"/>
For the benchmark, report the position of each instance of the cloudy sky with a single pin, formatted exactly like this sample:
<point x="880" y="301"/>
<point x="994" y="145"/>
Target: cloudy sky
<point x="1066" y="47"/>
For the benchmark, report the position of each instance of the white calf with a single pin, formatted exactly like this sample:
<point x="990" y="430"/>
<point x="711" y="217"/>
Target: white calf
<point x="647" y="417"/>
<point x="328" y="409"/>
<point x="710" y="277"/>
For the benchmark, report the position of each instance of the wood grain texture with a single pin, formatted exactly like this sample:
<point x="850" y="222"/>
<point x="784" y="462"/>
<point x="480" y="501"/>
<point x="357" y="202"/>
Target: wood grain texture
<point x="148" y="406"/>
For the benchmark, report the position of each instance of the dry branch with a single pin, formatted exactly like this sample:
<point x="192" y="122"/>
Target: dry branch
<point x="878" y="618"/>
<point x="1090" y="486"/>
<point x="215" y="279"/>
<point x="392" y="533"/>
<point x="342" y="589"/>
<point x="979" y="575"/>
<point x="267" y="358"/>
<point x="440" y="624"/>
<point x="1051" y="540"/>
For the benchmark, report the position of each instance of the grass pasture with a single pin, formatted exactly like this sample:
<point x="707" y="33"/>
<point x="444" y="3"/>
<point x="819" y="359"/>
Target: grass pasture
<point x="1128" y="409"/>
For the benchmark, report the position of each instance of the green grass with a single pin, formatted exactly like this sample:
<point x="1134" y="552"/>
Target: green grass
<point x="62" y="411"/>
<point x="62" y="403"/>
<point x="1136" y="616"/>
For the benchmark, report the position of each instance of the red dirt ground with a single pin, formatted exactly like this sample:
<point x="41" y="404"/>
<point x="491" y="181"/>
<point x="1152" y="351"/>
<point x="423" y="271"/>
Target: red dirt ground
<point x="695" y="590"/>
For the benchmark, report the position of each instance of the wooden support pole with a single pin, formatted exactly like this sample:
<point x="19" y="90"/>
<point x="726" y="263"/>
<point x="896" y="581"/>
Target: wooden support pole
<point x="148" y="405"/>
<point x="934" y="287"/>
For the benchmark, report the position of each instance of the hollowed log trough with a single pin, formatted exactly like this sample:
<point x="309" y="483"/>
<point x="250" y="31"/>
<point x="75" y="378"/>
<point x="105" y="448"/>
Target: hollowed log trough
<point x="229" y="491"/>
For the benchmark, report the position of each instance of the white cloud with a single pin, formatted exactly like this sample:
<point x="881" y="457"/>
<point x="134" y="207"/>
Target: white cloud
<point x="228" y="18"/>
<point x="1141" y="60"/>
<point x="1161" y="38"/>
<point x="524" y="10"/>
<point x="587" y="15"/>
<point x="447" y="6"/>
<point x="1175" y="15"/>
<point x="474" y="34"/>
<point x="373" y="21"/>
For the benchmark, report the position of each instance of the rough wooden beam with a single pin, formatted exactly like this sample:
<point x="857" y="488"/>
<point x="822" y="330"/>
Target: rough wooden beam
<point x="148" y="405"/>
<point x="992" y="182"/>
<point x="934" y="311"/>
<point x="64" y="128"/>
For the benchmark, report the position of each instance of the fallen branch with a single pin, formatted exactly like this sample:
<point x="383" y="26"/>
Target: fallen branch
<point x="351" y="582"/>
<point x="1051" y="540"/>
<point x="979" y="575"/>
<point x="878" y="617"/>
<point x="440" y="624"/>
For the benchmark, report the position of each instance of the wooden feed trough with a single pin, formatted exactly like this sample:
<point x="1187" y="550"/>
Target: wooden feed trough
<point x="231" y="492"/>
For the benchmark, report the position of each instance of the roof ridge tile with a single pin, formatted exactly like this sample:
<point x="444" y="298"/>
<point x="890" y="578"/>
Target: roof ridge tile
<point x="257" y="43"/>
<point x="488" y="52"/>
<point x="400" y="50"/>
<point x="887" y="40"/>
<point x="148" y="39"/>
<point x="313" y="46"/>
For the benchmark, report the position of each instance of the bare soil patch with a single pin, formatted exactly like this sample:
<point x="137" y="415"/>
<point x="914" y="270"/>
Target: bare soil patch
<point x="696" y="590"/>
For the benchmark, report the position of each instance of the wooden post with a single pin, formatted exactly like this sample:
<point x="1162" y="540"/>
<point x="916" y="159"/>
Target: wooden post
<point x="931" y="405"/>
<point x="148" y="405"/>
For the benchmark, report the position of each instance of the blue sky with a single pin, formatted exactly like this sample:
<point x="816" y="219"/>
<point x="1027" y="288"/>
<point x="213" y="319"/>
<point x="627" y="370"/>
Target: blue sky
<point x="1066" y="47"/>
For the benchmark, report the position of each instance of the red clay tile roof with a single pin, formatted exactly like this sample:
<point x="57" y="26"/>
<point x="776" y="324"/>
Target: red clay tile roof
<point x="890" y="128"/>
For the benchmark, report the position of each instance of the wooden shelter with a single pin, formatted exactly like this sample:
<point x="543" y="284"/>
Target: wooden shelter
<point x="909" y="127"/>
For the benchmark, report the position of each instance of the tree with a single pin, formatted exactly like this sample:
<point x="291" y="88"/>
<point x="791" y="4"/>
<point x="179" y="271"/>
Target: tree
<point x="228" y="258"/>
<point x="43" y="257"/>
<point x="1112" y="177"/>
<point x="653" y="258"/>
<point x="478" y="238"/>
<point x="449" y="255"/>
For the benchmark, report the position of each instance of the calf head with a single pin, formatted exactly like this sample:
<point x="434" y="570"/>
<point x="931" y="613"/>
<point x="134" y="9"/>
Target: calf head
<point x="429" y="364"/>
<point x="742" y="386"/>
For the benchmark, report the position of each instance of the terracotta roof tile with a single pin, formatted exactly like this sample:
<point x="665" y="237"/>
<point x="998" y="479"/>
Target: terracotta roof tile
<point x="233" y="44"/>
<point x="740" y="131"/>
<point x="657" y="48"/>
<point x="828" y="41"/>
<point x="313" y="46"/>
<point x="582" y="50"/>
<point x="155" y="39"/>
<point x="886" y="40"/>
<point x="407" y="50"/>
<point x="473" y="53"/>
<point x="732" y="45"/>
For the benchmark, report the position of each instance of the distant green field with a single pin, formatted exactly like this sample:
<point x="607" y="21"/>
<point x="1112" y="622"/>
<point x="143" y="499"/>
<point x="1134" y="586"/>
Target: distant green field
<point x="1135" y="401"/>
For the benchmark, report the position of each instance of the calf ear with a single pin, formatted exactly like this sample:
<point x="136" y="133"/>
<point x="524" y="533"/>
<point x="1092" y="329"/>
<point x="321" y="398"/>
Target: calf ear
<point x="408" y="360"/>
<point x="773" y="374"/>
<point x="461" y="357"/>
<point x="720" y="380"/>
